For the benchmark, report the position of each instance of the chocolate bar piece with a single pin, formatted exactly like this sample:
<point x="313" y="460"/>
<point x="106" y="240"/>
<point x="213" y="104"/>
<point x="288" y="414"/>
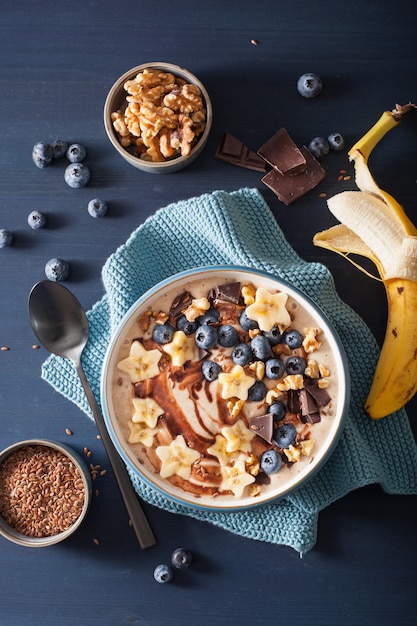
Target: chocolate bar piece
<point x="180" y="303"/>
<point x="234" y="151"/>
<point x="262" y="425"/>
<point x="281" y="152"/>
<point x="290" y="188"/>
<point x="309" y="411"/>
<point x="229" y="292"/>
<point x="320" y="395"/>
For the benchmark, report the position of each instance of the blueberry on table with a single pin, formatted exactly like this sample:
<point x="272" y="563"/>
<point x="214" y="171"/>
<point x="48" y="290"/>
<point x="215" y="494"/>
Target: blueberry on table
<point x="285" y="435"/>
<point x="187" y="327"/>
<point x="271" y="462"/>
<point x="206" y="337"/>
<point x="36" y="219"/>
<point x="242" y="354"/>
<point x="210" y="370"/>
<point x="76" y="153"/>
<point x="274" y="369"/>
<point x="336" y="141"/>
<point x="163" y="333"/>
<point x="60" y="148"/>
<point x="257" y="392"/>
<point x="295" y="365"/>
<point x="77" y="175"/>
<point x="309" y="85"/>
<point x="181" y="558"/>
<point x="6" y="238"/>
<point x="163" y="573"/>
<point x="42" y="154"/>
<point x="97" y="208"/>
<point x="227" y="336"/>
<point x="318" y="147"/>
<point x="57" y="270"/>
<point x="261" y="347"/>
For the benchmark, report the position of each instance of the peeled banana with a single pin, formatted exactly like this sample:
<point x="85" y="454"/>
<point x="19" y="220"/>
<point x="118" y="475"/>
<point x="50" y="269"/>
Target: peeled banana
<point x="374" y="225"/>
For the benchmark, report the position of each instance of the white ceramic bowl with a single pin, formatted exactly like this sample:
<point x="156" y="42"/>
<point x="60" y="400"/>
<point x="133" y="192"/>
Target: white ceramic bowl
<point x="116" y="100"/>
<point x="8" y="531"/>
<point x="200" y="404"/>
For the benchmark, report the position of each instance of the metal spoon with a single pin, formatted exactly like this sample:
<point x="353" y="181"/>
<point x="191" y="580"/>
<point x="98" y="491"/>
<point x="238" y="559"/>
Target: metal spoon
<point x="61" y="325"/>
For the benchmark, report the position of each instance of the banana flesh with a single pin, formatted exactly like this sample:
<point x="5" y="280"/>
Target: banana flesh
<point x="374" y="225"/>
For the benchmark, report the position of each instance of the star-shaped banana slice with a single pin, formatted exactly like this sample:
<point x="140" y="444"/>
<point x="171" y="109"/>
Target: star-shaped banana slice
<point x="218" y="449"/>
<point x="181" y="349"/>
<point x="238" y="437"/>
<point x="235" y="478"/>
<point x="269" y="309"/>
<point x="141" y="363"/>
<point x="235" y="384"/>
<point x="177" y="458"/>
<point x="146" y="410"/>
<point x="140" y="433"/>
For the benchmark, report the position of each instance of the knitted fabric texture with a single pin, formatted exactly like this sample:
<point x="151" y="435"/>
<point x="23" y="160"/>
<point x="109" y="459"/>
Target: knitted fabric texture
<point x="238" y="228"/>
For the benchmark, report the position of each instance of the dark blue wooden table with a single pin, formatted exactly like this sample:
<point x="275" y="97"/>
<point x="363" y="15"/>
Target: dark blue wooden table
<point x="57" y="62"/>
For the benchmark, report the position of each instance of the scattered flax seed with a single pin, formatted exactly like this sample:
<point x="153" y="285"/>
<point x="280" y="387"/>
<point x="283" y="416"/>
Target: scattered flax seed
<point x="254" y="42"/>
<point x="96" y="492"/>
<point x="96" y="541"/>
<point x="130" y="523"/>
<point x="69" y="431"/>
<point x="323" y="195"/>
<point x="347" y="177"/>
<point x="85" y="450"/>
<point x="98" y="436"/>
<point x="342" y="172"/>
<point x="89" y="453"/>
<point x="35" y="347"/>
<point x="340" y="177"/>
<point x="4" y="348"/>
<point x="103" y="472"/>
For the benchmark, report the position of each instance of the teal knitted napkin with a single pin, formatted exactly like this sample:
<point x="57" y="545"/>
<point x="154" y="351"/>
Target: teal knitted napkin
<point x="239" y="229"/>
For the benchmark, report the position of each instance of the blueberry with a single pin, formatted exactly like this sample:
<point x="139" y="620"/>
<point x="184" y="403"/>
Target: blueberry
<point x="318" y="147"/>
<point x="274" y="369"/>
<point x="261" y="347"/>
<point x="60" y="148"/>
<point x="242" y="354"/>
<point x="309" y="85"/>
<point x="206" y="337"/>
<point x="257" y="392"/>
<point x="76" y="153"/>
<point x="163" y="333"/>
<point x="227" y="336"/>
<point x="36" y="219"/>
<point x="293" y="339"/>
<point x="211" y="316"/>
<point x="210" y="370"/>
<point x="181" y="558"/>
<point x="42" y="154"/>
<point x="295" y="365"/>
<point x="77" y="175"/>
<point x="163" y="573"/>
<point x="97" y="208"/>
<point x="285" y="435"/>
<point x="246" y="322"/>
<point x="57" y="270"/>
<point x="271" y="462"/>
<point x="6" y="238"/>
<point x="278" y="410"/>
<point x="336" y="141"/>
<point x="274" y="336"/>
<point x="187" y="327"/>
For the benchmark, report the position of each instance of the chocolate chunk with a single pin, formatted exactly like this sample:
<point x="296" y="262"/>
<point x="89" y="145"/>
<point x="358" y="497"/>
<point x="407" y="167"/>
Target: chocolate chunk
<point x="262" y="425"/>
<point x="293" y="402"/>
<point x="234" y="151"/>
<point x="230" y="292"/>
<point x="290" y="188"/>
<point x="282" y="153"/>
<point x="309" y="410"/>
<point x="180" y="303"/>
<point x="320" y="395"/>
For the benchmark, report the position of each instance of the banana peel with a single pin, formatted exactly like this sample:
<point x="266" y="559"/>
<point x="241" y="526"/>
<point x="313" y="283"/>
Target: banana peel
<point x="375" y="226"/>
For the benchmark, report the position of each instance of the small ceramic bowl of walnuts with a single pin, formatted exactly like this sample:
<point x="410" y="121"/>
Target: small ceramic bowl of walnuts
<point x="158" y="117"/>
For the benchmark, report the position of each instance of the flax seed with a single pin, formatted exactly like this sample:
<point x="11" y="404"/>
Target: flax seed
<point x="69" y="431"/>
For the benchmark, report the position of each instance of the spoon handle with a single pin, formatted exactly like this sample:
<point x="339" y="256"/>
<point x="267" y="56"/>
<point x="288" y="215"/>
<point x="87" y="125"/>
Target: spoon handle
<point x="138" y="519"/>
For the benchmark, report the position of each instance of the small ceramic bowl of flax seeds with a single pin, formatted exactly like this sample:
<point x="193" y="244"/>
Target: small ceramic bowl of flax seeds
<point x="45" y="492"/>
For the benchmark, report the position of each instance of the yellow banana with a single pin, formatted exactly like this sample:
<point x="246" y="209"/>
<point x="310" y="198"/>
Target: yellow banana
<point x="374" y="225"/>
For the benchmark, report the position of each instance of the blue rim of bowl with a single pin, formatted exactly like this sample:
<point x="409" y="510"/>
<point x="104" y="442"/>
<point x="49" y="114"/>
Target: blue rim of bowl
<point x="344" y="384"/>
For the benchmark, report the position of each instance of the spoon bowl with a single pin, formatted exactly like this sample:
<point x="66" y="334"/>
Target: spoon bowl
<point x="61" y="325"/>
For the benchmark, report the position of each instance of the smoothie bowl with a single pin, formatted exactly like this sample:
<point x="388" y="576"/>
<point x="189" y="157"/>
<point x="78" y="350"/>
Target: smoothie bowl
<point x="224" y="388"/>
